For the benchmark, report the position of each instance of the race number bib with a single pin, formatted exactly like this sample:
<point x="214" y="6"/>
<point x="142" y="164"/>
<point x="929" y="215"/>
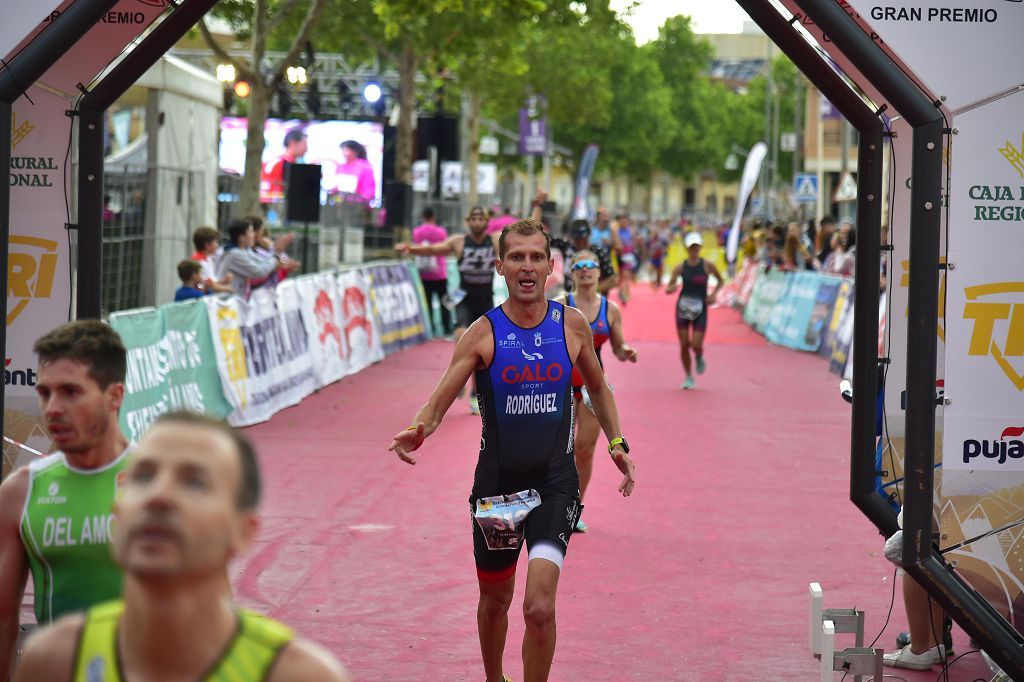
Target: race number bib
<point x="425" y="263"/>
<point x="689" y="308"/>
<point x="502" y="518"/>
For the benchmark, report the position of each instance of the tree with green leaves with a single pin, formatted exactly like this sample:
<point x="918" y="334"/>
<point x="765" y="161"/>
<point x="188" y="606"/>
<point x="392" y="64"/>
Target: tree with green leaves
<point x="258" y="21"/>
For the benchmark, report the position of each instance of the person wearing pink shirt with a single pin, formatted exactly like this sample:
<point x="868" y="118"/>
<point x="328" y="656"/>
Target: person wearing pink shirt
<point x="433" y="269"/>
<point x="356" y="165"/>
<point x="498" y="222"/>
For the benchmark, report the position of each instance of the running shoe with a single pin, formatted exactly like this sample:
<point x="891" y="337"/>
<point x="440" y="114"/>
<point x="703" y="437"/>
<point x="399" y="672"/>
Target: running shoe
<point x="701" y="365"/>
<point x="903" y="638"/>
<point x="689" y="384"/>
<point x="905" y="658"/>
<point x="474" y="405"/>
<point x="581" y="527"/>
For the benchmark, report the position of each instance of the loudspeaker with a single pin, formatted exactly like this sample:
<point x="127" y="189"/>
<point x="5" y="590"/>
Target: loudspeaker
<point x="302" y="193"/>
<point x="398" y="202"/>
<point x="388" y="163"/>
<point x="438" y="131"/>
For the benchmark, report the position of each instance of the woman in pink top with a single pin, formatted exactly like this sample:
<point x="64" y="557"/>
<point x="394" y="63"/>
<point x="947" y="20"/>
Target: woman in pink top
<point x="357" y="165"/>
<point x="433" y="269"/>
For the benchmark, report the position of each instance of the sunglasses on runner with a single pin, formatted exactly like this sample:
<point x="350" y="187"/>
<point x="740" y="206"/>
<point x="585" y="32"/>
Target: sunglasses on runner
<point x="584" y="265"/>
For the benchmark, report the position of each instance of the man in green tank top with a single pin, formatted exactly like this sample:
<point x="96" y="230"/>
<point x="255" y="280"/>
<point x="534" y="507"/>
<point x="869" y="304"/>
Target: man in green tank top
<point x="55" y="514"/>
<point x="186" y="507"/>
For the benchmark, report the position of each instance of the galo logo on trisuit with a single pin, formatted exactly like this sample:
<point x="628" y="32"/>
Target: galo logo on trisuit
<point x="998" y="326"/>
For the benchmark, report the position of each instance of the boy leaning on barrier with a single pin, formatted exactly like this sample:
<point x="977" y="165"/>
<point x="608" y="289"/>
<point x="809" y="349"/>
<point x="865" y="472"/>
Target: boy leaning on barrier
<point x="192" y="283"/>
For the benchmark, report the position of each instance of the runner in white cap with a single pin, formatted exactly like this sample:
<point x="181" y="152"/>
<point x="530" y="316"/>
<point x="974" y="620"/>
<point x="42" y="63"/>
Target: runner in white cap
<point x="692" y="304"/>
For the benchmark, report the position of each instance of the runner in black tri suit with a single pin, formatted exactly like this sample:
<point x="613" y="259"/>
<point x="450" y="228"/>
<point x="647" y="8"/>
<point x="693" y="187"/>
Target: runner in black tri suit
<point x="526" y="487"/>
<point x="692" y="304"/>
<point x="476" y="252"/>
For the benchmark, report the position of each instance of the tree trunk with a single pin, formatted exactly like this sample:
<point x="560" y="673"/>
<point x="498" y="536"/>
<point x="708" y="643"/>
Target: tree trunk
<point x="407" y="108"/>
<point x="473" y="162"/>
<point x="259" y="104"/>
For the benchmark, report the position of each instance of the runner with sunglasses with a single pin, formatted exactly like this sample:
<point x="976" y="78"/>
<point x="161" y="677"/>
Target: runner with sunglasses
<point x="692" y="304"/>
<point x="606" y="324"/>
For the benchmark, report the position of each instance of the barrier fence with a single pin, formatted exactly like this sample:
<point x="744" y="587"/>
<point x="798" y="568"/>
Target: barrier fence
<point x="247" y="360"/>
<point x="804" y="310"/>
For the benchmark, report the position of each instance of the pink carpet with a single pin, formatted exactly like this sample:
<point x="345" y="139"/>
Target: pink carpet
<point x="742" y="500"/>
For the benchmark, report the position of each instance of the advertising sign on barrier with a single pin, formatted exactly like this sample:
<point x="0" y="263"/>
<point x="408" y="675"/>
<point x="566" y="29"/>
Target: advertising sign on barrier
<point x="773" y="288"/>
<point x="359" y="326"/>
<point x="841" y="331"/>
<point x="844" y="300"/>
<point x="170" y="356"/>
<point x="747" y="279"/>
<point x="824" y="300"/>
<point x="324" y="320"/>
<point x="397" y="308"/>
<point x="262" y="354"/>
<point x="790" y="322"/>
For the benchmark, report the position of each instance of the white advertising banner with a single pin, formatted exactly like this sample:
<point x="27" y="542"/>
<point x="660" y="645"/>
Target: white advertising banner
<point x="322" y="315"/>
<point x="963" y="51"/>
<point x="39" y="290"/>
<point x="751" y="171"/>
<point x="360" y="331"/>
<point x="984" y="422"/>
<point x="262" y="354"/>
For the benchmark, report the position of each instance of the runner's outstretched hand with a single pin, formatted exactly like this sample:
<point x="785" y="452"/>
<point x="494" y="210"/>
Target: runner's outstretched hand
<point x="627" y="353"/>
<point x="626" y="466"/>
<point x="408" y="441"/>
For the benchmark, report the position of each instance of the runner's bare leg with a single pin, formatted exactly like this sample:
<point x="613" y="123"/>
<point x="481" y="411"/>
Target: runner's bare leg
<point x="539" y="614"/>
<point x="492" y="624"/>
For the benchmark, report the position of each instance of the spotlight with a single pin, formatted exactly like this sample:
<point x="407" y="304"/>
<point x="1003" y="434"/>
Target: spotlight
<point x="372" y="92"/>
<point x="225" y="73"/>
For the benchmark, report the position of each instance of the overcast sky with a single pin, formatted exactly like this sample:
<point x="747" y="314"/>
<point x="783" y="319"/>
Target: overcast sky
<point x="709" y="16"/>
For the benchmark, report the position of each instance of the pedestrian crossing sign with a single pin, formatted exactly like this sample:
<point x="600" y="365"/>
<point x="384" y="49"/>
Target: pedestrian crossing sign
<point x="805" y="188"/>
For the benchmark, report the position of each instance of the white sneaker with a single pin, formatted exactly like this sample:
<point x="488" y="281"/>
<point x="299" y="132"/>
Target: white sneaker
<point x="905" y="658"/>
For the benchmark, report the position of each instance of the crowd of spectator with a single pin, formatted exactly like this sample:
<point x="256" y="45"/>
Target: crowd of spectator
<point x="248" y="260"/>
<point x="792" y="247"/>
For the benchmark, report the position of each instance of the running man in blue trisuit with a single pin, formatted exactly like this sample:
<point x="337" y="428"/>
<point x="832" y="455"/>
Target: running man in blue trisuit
<point x="526" y="487"/>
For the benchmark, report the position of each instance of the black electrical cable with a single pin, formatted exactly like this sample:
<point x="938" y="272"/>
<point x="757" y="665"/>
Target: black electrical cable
<point x="67" y="204"/>
<point x="892" y="602"/>
<point x="888" y="313"/>
<point x="945" y="669"/>
<point x="67" y="157"/>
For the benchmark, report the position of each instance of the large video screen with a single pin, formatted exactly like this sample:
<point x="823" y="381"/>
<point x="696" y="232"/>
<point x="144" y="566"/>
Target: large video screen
<point x="350" y="154"/>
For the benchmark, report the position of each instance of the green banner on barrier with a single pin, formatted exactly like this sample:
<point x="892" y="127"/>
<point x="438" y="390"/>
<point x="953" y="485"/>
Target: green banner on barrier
<point x="171" y="365"/>
<point x="792" y="316"/>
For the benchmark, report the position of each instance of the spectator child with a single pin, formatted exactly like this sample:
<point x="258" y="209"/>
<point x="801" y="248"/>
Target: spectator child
<point x="191" y="274"/>
<point x="207" y="243"/>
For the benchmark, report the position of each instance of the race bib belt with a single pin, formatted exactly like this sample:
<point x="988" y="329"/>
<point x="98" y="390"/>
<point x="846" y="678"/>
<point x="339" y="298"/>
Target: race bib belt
<point x="690" y="308"/>
<point x="502" y="518"/>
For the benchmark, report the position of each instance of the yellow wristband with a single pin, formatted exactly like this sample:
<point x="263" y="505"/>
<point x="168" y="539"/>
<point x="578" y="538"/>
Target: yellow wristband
<point x="615" y="441"/>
